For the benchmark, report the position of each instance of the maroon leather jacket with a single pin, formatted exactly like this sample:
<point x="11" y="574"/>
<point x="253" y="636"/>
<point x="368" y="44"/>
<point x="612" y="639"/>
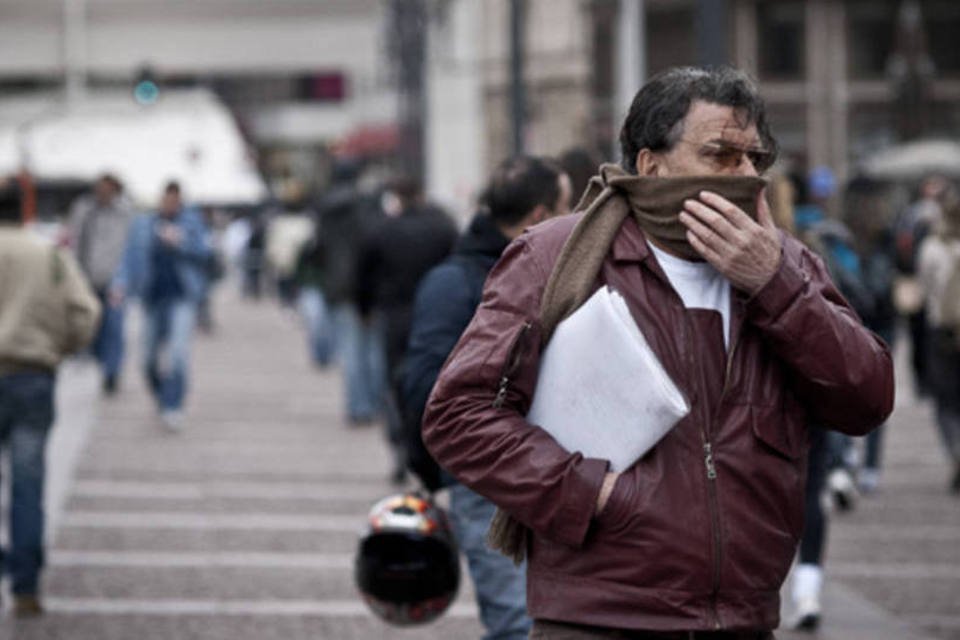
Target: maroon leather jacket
<point x="699" y="533"/>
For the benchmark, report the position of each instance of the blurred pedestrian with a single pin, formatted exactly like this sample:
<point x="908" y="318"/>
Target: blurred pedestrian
<point x="833" y="241"/>
<point x="697" y="535"/>
<point x="165" y="265"/>
<point x="47" y="311"/>
<point x="826" y="457"/>
<point x="254" y="256"/>
<point x="580" y="165"/>
<point x="392" y="260"/>
<point x="98" y="226"/>
<point x="213" y="219"/>
<point x="523" y="191"/>
<point x="346" y="215"/>
<point x="287" y="232"/>
<point x="910" y="229"/>
<point x="870" y="218"/>
<point x="938" y="267"/>
<point x="309" y="277"/>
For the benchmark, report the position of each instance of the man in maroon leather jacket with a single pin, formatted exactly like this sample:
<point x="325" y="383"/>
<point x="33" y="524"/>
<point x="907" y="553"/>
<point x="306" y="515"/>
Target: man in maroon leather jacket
<point x="695" y="538"/>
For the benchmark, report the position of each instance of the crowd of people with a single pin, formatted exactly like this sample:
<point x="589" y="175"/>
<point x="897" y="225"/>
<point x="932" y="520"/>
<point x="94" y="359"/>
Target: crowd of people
<point x="773" y="314"/>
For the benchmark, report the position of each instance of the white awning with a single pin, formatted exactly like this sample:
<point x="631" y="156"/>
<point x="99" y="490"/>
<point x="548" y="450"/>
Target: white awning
<point x="187" y="136"/>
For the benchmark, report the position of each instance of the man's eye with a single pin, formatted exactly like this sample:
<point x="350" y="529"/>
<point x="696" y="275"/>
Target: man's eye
<point x="723" y="155"/>
<point x="759" y="159"/>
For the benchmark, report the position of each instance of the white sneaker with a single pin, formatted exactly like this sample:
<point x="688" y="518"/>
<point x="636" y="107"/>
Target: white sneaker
<point x="844" y="491"/>
<point x="172" y="420"/>
<point x="807" y="583"/>
<point x="806" y="617"/>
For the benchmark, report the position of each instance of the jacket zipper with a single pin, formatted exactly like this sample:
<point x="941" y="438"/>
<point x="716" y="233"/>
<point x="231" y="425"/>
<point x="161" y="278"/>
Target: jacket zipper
<point x="711" y="474"/>
<point x="712" y="477"/>
<point x="513" y="362"/>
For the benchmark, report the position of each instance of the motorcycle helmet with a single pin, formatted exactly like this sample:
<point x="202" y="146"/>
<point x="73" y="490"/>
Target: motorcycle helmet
<point x="407" y="567"/>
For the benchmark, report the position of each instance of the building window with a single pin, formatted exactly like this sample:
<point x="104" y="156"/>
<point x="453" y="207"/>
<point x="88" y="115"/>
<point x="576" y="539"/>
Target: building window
<point x="871" y="28"/>
<point x="780" y="40"/>
<point x="941" y="19"/>
<point x="670" y="40"/>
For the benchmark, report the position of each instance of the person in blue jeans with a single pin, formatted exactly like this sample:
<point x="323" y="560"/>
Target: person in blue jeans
<point x="165" y="265"/>
<point x="522" y="192"/>
<point x="98" y="226"/>
<point x="47" y="311"/>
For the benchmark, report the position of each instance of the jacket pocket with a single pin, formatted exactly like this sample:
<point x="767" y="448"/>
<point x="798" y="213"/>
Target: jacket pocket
<point x="778" y="431"/>
<point x="511" y="364"/>
<point x="620" y="507"/>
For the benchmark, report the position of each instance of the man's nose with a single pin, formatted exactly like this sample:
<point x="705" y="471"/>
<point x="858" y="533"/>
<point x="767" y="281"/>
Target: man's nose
<point x="746" y="168"/>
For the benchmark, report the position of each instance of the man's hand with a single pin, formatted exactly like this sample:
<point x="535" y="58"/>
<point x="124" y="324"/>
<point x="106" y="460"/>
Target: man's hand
<point x="170" y="234"/>
<point x="115" y="295"/>
<point x="605" y="490"/>
<point x="746" y="252"/>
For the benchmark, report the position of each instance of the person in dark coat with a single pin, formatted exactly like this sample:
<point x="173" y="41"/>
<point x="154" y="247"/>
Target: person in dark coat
<point x="346" y="216"/>
<point x="522" y="192"/>
<point x="392" y="259"/>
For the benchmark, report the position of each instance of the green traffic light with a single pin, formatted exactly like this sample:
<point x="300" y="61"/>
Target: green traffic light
<point x="146" y="92"/>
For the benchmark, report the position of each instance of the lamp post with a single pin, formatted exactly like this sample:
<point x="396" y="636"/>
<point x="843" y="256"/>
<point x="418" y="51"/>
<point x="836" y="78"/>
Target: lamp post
<point x="518" y="94"/>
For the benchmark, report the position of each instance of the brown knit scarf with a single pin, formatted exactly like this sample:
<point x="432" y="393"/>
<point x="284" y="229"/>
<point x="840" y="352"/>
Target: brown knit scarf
<point x="610" y="197"/>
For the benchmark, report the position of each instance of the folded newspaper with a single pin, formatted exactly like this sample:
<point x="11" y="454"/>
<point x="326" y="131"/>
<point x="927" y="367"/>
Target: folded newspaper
<point x="602" y="391"/>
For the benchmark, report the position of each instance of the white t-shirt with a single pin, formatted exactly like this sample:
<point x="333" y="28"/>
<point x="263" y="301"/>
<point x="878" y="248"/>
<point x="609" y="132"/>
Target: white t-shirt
<point x="699" y="284"/>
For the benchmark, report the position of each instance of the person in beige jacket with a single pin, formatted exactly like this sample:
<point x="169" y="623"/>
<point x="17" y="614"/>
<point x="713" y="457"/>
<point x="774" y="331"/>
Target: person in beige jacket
<point x="47" y="311"/>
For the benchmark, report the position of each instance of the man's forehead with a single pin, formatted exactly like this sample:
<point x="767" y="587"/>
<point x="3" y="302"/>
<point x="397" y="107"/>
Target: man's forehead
<point x="706" y="121"/>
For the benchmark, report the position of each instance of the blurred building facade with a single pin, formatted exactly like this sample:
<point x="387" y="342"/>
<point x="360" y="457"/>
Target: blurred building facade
<point x="299" y="74"/>
<point x="843" y="78"/>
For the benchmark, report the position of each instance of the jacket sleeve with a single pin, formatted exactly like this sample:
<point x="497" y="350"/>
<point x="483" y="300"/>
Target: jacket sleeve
<point x="76" y="219"/>
<point x="129" y="271"/>
<point x="81" y="307"/>
<point x="367" y="265"/>
<point x="196" y="237"/>
<point x="486" y="442"/>
<point x="442" y="310"/>
<point x="841" y="371"/>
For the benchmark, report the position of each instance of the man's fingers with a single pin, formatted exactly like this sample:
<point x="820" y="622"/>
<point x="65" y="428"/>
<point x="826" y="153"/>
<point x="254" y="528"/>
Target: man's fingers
<point x="764" y="216"/>
<point x="703" y="249"/>
<point x="734" y="214"/>
<point x="707" y="235"/>
<point x="710" y="218"/>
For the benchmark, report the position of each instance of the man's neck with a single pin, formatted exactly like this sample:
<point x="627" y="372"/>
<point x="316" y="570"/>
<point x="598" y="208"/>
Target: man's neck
<point x="661" y="247"/>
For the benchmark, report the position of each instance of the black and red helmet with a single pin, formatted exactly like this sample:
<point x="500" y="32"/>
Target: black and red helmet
<point x="407" y="566"/>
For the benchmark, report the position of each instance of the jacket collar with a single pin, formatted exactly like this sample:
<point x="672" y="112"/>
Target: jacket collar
<point x="630" y="245"/>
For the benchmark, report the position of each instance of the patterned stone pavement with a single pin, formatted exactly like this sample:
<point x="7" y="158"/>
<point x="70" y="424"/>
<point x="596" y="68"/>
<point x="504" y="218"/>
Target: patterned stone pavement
<point x="244" y="525"/>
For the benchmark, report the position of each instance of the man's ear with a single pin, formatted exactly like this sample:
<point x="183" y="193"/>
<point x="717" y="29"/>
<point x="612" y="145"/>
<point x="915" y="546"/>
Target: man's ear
<point x="537" y="215"/>
<point x="648" y="164"/>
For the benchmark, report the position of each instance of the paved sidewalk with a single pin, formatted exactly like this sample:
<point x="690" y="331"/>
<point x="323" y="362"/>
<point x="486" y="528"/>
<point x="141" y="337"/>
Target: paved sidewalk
<point x="244" y="525"/>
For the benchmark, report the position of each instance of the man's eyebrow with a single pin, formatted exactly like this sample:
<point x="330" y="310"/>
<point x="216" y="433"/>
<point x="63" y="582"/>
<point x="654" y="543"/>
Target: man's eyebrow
<point x="756" y="144"/>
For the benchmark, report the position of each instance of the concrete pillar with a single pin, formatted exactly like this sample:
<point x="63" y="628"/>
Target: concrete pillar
<point x="630" y="59"/>
<point x="745" y="30"/>
<point x="74" y="49"/>
<point x="818" y="82"/>
<point x="455" y="129"/>
<point x="839" y="96"/>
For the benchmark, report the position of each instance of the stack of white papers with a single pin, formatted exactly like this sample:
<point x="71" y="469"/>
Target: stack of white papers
<point x="602" y="391"/>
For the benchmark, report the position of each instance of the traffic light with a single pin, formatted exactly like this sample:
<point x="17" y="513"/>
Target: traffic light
<point x="146" y="90"/>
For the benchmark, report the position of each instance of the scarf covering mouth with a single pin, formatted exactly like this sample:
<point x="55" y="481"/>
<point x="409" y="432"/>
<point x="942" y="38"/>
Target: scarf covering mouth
<point x="610" y="197"/>
<point x="656" y="203"/>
